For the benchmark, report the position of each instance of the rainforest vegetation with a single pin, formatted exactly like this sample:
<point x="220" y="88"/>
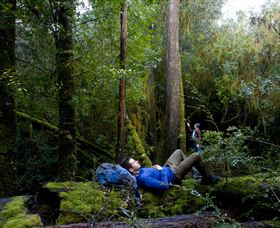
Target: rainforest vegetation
<point x="86" y="82"/>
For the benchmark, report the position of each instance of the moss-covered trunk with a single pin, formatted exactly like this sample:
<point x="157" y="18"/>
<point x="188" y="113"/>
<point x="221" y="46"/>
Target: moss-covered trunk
<point x="65" y="67"/>
<point x="8" y="156"/>
<point x="139" y="148"/>
<point x="182" y="124"/>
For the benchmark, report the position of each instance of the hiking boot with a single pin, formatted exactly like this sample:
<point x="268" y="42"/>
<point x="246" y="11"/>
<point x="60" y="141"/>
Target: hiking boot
<point x="210" y="180"/>
<point x="196" y="174"/>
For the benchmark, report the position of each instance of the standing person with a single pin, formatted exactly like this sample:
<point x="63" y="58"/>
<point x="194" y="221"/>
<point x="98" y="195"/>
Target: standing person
<point x="196" y="137"/>
<point x="159" y="178"/>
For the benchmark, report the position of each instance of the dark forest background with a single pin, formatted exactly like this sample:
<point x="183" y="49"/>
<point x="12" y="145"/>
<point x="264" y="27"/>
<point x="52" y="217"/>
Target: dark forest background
<point x="83" y="84"/>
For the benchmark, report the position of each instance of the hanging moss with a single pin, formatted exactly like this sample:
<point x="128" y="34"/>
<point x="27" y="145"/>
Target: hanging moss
<point x="14" y="215"/>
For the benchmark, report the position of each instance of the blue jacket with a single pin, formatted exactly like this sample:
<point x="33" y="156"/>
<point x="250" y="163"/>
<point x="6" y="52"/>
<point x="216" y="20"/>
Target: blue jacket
<point x="153" y="179"/>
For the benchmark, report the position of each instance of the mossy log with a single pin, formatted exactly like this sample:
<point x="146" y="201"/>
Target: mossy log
<point x="80" y="140"/>
<point x="145" y="160"/>
<point x="15" y="214"/>
<point x="234" y="201"/>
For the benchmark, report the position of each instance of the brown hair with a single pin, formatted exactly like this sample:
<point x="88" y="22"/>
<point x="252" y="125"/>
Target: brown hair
<point x="125" y="163"/>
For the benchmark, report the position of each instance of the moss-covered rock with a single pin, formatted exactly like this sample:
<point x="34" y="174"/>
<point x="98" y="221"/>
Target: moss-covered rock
<point x="14" y="215"/>
<point x="81" y="202"/>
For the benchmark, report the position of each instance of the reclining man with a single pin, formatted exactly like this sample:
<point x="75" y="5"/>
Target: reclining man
<point x="158" y="178"/>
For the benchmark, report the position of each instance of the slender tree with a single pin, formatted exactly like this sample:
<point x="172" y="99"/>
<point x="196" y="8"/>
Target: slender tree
<point x="8" y="155"/>
<point x="173" y="77"/>
<point x="122" y="85"/>
<point x="65" y="65"/>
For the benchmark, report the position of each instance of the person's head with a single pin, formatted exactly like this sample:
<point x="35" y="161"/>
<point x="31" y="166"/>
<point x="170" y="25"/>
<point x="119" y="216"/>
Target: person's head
<point x="197" y="125"/>
<point x="130" y="164"/>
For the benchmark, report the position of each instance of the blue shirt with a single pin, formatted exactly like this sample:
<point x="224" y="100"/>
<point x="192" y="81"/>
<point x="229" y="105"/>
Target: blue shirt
<point x="153" y="179"/>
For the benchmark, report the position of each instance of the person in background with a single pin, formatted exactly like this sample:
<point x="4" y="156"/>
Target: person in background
<point x="196" y="137"/>
<point x="196" y="143"/>
<point x="159" y="178"/>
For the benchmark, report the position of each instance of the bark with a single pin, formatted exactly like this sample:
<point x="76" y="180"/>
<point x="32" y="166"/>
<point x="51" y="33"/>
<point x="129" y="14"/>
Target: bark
<point x="182" y="124"/>
<point x="204" y="220"/>
<point x="8" y="155"/>
<point x="151" y="137"/>
<point x="173" y="75"/>
<point x="122" y="86"/>
<point x="64" y="61"/>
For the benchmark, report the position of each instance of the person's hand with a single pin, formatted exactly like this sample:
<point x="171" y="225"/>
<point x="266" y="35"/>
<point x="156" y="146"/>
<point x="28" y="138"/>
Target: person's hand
<point x="188" y="124"/>
<point x="158" y="167"/>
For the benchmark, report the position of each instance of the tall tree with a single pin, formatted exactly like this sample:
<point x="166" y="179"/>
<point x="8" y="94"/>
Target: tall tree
<point x="122" y="86"/>
<point x="65" y="66"/>
<point x="8" y="156"/>
<point x="173" y="77"/>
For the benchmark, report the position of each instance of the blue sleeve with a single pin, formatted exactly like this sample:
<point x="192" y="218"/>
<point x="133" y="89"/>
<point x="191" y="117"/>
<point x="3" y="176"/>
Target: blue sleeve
<point x="154" y="183"/>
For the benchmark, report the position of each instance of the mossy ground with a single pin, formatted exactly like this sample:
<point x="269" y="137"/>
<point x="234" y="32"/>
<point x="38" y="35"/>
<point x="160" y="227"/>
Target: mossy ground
<point x="87" y="201"/>
<point x="83" y="202"/>
<point x="14" y="215"/>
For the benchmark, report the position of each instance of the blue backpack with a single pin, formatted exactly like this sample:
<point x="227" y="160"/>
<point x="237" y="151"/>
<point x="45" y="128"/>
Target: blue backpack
<point x="113" y="174"/>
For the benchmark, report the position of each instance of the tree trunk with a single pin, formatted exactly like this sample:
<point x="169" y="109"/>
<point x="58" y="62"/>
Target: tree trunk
<point x="64" y="61"/>
<point x="173" y="75"/>
<point x="123" y="53"/>
<point x="151" y="137"/>
<point x="182" y="124"/>
<point x="8" y="155"/>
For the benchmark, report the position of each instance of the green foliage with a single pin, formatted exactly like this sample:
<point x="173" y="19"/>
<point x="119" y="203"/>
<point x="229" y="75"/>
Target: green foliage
<point x="229" y="150"/>
<point x="15" y="215"/>
<point x="37" y="153"/>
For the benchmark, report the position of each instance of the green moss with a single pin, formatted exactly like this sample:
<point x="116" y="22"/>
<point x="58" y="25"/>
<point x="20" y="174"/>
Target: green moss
<point x="139" y="146"/>
<point x="252" y="195"/>
<point x="177" y="200"/>
<point x="14" y="215"/>
<point x="70" y="185"/>
<point x="273" y="223"/>
<point x="14" y="208"/>
<point x="81" y="201"/>
<point x="24" y="222"/>
<point x="246" y="185"/>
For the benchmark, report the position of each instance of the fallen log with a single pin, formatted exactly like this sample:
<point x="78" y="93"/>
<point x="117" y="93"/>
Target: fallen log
<point x="80" y="140"/>
<point x="140" y="150"/>
<point x="206" y="220"/>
